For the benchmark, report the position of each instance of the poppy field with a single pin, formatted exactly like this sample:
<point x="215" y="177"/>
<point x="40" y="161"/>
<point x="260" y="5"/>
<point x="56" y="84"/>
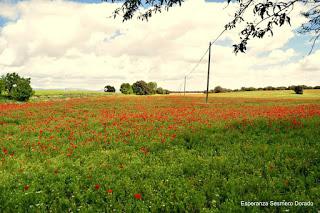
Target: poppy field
<point x="159" y="154"/>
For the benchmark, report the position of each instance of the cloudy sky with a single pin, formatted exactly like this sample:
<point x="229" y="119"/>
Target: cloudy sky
<point x="73" y="44"/>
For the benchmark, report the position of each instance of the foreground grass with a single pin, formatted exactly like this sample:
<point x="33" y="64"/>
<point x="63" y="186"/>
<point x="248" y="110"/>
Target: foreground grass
<point x="214" y="169"/>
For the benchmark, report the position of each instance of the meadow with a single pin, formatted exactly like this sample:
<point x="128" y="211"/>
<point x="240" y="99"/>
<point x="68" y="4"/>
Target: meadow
<point x="160" y="153"/>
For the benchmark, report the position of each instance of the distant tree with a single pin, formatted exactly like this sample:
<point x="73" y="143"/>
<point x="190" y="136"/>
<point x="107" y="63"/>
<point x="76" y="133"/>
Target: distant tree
<point x="306" y="87"/>
<point x="16" y="87"/>
<point x="248" y="89"/>
<point x="316" y="87"/>
<point x="281" y="88"/>
<point x="165" y="91"/>
<point x="298" y="90"/>
<point x="291" y="87"/>
<point x="126" y="88"/>
<point x="10" y="81"/>
<point x="160" y="90"/>
<point x="109" y="88"/>
<point x="22" y="90"/>
<point x="141" y="88"/>
<point x="2" y="85"/>
<point x="153" y="87"/>
<point x="218" y="89"/>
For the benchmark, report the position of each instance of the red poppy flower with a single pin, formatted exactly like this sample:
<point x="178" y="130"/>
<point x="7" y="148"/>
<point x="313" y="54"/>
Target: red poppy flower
<point x="26" y="187"/>
<point x="97" y="186"/>
<point x="138" y="196"/>
<point x="5" y="151"/>
<point x="109" y="191"/>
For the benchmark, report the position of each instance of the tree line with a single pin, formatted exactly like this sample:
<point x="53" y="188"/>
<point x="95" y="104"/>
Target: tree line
<point x="297" y="88"/>
<point x="15" y="87"/>
<point x="138" y="88"/>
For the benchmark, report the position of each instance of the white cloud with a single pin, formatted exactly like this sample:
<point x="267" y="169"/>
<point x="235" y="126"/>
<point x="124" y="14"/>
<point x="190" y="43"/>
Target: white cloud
<point x="66" y="44"/>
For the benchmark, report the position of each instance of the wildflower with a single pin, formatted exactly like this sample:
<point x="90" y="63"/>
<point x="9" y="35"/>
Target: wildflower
<point x="26" y="187"/>
<point x="138" y="196"/>
<point x="97" y="186"/>
<point x="5" y="151"/>
<point x="109" y="191"/>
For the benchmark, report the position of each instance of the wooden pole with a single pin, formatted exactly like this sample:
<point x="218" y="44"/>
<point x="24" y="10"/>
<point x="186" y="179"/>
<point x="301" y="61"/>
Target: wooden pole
<point x="208" y="72"/>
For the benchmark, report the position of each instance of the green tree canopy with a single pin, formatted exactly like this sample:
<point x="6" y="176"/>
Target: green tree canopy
<point x="22" y="91"/>
<point x="109" y="88"/>
<point x="153" y="87"/>
<point x="126" y="88"/>
<point x="16" y="87"/>
<point x="141" y="88"/>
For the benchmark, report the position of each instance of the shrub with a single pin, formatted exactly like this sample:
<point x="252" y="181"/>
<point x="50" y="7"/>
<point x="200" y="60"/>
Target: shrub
<point x="298" y="90"/>
<point x="22" y="90"/>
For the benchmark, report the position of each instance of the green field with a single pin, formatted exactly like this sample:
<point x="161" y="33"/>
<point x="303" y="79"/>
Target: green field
<point x="60" y="94"/>
<point x="117" y="153"/>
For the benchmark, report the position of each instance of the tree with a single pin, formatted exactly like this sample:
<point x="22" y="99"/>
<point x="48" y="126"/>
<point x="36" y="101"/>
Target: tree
<point x="16" y="87"/>
<point x="141" y="88"/>
<point x="298" y="90"/>
<point x="267" y="15"/>
<point x="160" y="90"/>
<point x="153" y="87"/>
<point x="10" y="81"/>
<point x="109" y="88"/>
<point x="126" y="88"/>
<point x="2" y="85"/>
<point x="22" y="90"/>
<point x="218" y="89"/>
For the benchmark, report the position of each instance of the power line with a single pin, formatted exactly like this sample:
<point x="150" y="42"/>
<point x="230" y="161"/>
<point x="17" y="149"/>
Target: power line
<point x="194" y="68"/>
<point x="213" y="41"/>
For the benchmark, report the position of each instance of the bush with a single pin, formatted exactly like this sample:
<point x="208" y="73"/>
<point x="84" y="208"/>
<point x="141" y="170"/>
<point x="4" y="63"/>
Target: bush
<point x="21" y="91"/>
<point x="298" y="90"/>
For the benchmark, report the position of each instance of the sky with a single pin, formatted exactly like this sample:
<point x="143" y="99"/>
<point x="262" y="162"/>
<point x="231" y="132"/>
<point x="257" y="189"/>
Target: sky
<point x="73" y="44"/>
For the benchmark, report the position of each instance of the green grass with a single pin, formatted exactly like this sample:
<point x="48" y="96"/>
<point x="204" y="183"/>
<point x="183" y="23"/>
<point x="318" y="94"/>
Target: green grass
<point x="210" y="171"/>
<point x="61" y="94"/>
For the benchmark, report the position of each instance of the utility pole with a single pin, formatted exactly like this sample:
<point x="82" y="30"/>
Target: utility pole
<point x="185" y="80"/>
<point x="208" y="72"/>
